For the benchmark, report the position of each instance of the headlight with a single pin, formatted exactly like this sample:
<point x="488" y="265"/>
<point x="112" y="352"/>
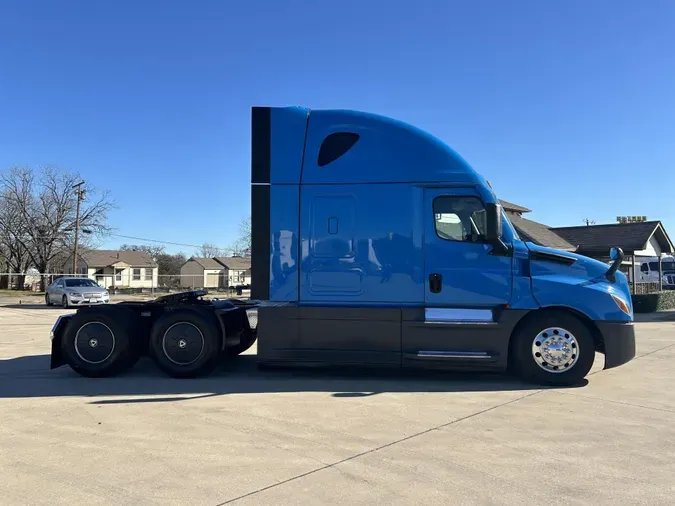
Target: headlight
<point x="105" y="294"/>
<point x="623" y="305"/>
<point x="74" y="294"/>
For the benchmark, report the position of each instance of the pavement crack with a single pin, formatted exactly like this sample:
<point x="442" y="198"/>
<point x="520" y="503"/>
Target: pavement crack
<point x="623" y="403"/>
<point x="381" y="447"/>
<point x="655" y="351"/>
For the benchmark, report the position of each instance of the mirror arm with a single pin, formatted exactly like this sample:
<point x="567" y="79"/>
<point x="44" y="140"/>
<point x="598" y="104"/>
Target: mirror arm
<point x="500" y="248"/>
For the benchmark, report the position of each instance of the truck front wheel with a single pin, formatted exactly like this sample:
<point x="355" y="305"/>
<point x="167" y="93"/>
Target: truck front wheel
<point x="186" y="343"/>
<point x="553" y="348"/>
<point x="97" y="342"/>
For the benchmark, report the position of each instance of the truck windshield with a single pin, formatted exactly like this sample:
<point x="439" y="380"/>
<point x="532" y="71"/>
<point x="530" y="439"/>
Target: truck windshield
<point x="510" y="226"/>
<point x="666" y="266"/>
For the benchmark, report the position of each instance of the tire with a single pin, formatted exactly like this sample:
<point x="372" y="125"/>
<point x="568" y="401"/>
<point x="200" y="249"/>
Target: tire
<point x="47" y="301"/>
<point x="186" y="343"/>
<point x="64" y="302"/>
<point x="98" y="343"/>
<point x="554" y="348"/>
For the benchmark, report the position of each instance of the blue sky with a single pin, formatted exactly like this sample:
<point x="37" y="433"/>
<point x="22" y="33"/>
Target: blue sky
<point x="566" y="107"/>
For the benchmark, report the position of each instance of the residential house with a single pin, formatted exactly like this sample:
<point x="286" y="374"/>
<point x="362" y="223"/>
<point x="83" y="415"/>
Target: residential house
<point x="638" y="239"/>
<point x="202" y="273"/>
<point x="115" y="269"/>
<point x="237" y="270"/>
<point x="531" y="231"/>
<point x="218" y="272"/>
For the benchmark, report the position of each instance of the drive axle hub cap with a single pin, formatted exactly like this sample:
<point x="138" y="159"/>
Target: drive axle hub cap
<point x="94" y="342"/>
<point x="183" y="343"/>
<point x="555" y="350"/>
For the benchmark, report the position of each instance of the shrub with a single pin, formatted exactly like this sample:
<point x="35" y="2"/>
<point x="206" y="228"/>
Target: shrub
<point x="651" y="302"/>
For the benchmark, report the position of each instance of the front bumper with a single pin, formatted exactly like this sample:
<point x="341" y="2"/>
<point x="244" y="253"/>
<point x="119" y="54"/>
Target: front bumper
<point x="73" y="301"/>
<point x="618" y="342"/>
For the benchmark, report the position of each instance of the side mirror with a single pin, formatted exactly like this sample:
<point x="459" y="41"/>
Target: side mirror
<point x="616" y="254"/>
<point x="493" y="228"/>
<point x="493" y="225"/>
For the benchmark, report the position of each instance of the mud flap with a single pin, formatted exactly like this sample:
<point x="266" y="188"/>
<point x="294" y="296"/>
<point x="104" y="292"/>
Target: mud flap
<point x="56" y="359"/>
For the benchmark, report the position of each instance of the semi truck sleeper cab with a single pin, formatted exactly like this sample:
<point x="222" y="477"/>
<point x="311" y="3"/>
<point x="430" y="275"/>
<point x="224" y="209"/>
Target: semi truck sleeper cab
<point x="375" y="244"/>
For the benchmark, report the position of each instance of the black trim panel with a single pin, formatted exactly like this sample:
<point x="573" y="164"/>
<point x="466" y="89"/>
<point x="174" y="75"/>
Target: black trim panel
<point x="546" y="256"/>
<point x="261" y="151"/>
<point x="461" y="338"/>
<point x="391" y="337"/>
<point x="329" y="336"/>
<point x="260" y="242"/>
<point x="619" y="342"/>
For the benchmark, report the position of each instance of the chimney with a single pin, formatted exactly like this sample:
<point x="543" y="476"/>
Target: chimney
<point x="118" y="255"/>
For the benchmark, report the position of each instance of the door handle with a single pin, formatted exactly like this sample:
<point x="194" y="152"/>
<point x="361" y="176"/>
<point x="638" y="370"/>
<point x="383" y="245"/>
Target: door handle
<point x="435" y="283"/>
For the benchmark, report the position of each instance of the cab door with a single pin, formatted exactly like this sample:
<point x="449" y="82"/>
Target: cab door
<point x="462" y="270"/>
<point x="466" y="280"/>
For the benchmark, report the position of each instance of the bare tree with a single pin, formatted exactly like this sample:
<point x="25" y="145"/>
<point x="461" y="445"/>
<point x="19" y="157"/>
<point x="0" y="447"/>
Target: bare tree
<point x="242" y="247"/>
<point x="208" y="250"/>
<point x="45" y="206"/>
<point x="153" y="250"/>
<point x="14" y="256"/>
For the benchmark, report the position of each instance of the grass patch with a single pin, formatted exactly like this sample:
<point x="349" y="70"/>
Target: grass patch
<point x="22" y="293"/>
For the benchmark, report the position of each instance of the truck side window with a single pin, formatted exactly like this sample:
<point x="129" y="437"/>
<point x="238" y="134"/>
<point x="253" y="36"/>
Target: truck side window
<point x="644" y="268"/>
<point x="459" y="218"/>
<point x="334" y="146"/>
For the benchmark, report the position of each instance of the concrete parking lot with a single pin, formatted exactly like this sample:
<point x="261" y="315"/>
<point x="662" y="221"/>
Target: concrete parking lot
<point x="290" y="437"/>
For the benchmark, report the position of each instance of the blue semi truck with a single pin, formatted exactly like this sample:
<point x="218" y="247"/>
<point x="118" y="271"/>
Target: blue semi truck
<point x="373" y="244"/>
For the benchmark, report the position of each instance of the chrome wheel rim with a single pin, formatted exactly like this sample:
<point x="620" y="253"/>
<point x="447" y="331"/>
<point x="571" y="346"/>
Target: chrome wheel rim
<point x="183" y="343"/>
<point x="94" y="342"/>
<point x="555" y="350"/>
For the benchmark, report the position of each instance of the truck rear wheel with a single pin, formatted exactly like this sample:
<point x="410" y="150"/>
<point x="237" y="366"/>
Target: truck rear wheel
<point x="553" y="348"/>
<point x="186" y="343"/>
<point x="97" y="342"/>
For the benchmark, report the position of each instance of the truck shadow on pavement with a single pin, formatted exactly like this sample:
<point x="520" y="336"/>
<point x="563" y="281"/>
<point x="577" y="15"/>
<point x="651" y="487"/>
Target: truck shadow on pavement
<point x="30" y="377"/>
<point x="32" y="306"/>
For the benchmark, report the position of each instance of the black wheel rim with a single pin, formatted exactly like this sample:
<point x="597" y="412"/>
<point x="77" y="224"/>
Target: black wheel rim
<point x="94" y="342"/>
<point x="183" y="343"/>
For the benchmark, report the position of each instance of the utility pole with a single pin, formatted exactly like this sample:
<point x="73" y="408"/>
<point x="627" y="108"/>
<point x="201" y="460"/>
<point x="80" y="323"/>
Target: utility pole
<point x="80" y="197"/>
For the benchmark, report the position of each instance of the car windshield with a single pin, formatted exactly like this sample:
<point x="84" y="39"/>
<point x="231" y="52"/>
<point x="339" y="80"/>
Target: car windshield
<point x="80" y="282"/>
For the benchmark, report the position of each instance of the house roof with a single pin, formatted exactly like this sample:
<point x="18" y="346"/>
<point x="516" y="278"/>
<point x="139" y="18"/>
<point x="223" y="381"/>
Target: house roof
<point x="106" y="258"/>
<point x="235" y="263"/>
<point x="207" y="263"/>
<point x="630" y="237"/>
<point x="508" y="206"/>
<point x="538" y="233"/>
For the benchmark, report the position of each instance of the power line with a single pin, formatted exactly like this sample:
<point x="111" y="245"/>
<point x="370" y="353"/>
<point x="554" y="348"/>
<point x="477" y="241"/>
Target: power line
<point x="142" y="239"/>
<point x="145" y="239"/>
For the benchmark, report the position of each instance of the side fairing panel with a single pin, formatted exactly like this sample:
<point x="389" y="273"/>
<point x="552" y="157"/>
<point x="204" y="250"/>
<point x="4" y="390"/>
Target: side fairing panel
<point x="277" y="146"/>
<point x="360" y="244"/>
<point x="284" y="238"/>
<point x="288" y="125"/>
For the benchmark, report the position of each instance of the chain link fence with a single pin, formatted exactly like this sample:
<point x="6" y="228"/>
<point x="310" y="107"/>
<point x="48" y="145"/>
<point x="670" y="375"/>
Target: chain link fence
<point x="130" y="282"/>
